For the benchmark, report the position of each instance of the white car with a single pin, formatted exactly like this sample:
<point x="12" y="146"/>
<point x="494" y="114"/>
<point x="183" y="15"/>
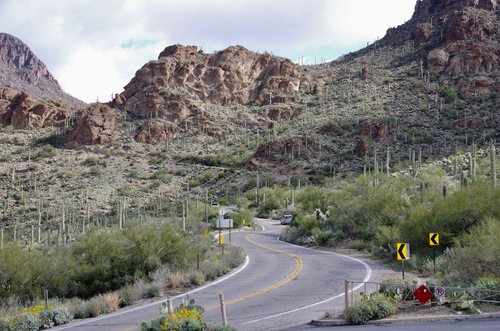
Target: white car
<point x="287" y="219"/>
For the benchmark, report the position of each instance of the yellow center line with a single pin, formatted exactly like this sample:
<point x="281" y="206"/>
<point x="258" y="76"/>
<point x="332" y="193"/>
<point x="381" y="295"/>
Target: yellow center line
<point x="298" y="268"/>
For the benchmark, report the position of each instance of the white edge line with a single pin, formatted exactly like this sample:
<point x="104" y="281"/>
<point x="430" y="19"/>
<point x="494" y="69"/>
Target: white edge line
<point x="367" y="278"/>
<point x="126" y="311"/>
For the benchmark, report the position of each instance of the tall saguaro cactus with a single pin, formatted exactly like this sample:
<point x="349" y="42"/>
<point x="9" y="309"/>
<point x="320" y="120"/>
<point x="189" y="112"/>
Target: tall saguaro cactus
<point x="493" y="164"/>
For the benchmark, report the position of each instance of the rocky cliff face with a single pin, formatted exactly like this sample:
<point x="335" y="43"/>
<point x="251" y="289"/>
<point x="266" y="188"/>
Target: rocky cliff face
<point x="21" y="111"/>
<point x="175" y="86"/>
<point x="461" y="37"/>
<point x="424" y="8"/>
<point x="21" y="70"/>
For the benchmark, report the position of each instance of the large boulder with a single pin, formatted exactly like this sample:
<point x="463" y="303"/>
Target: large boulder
<point x="94" y="125"/>
<point x="437" y="60"/>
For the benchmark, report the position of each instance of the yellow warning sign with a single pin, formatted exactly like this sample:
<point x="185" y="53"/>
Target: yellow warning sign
<point x="403" y="251"/>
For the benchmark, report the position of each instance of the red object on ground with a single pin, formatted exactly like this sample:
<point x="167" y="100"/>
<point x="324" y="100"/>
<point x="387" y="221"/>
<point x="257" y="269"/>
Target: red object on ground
<point x="423" y="294"/>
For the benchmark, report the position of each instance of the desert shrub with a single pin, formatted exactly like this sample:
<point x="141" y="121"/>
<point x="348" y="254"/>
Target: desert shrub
<point x="398" y="289"/>
<point x="45" y="152"/>
<point x="26" y="274"/>
<point x="162" y="175"/>
<point x="155" y="289"/>
<point x="95" y="170"/>
<point x="188" y="316"/>
<point x="197" y="278"/>
<point x="272" y="199"/>
<point x="470" y="261"/>
<point x="291" y="234"/>
<point x="98" y="306"/>
<point x="54" y="316"/>
<point x="373" y="306"/>
<point x="448" y="93"/>
<point x="112" y="300"/>
<point x="79" y="308"/>
<point x="488" y="288"/>
<point x="25" y="321"/>
<point x="6" y="157"/>
<point x="324" y="237"/>
<point x="239" y="216"/>
<point x="91" y="161"/>
<point x="451" y="217"/>
<point x="128" y="295"/>
<point x="62" y="315"/>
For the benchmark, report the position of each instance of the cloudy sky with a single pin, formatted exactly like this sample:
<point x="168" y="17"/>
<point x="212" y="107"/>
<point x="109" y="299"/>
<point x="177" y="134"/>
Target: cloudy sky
<point x="94" y="47"/>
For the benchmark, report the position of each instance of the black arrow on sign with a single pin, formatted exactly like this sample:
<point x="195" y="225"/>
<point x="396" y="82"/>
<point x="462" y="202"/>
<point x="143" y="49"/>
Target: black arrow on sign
<point x="433" y="239"/>
<point x="400" y="251"/>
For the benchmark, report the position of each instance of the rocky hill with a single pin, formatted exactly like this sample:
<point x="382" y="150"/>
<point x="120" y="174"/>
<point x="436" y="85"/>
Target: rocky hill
<point x="196" y="125"/>
<point x="30" y="97"/>
<point x="21" y="70"/>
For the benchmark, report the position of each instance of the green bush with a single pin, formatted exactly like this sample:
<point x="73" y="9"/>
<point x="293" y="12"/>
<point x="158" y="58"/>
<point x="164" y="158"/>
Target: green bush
<point x="374" y="306"/>
<point x="399" y="289"/>
<point x="91" y="161"/>
<point x="471" y="261"/>
<point x="26" y="321"/>
<point x="128" y="295"/>
<point x="448" y="93"/>
<point x="45" y="152"/>
<point x="488" y="289"/>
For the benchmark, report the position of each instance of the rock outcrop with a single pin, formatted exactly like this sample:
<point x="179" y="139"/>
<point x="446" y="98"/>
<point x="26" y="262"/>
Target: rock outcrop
<point x="463" y="37"/>
<point x="424" y="8"/>
<point x="155" y="131"/>
<point x="173" y="87"/>
<point x="21" y="111"/>
<point x="94" y="125"/>
<point x="22" y="71"/>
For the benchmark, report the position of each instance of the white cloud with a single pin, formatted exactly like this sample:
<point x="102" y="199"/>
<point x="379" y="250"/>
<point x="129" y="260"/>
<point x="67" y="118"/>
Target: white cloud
<point x="94" y="47"/>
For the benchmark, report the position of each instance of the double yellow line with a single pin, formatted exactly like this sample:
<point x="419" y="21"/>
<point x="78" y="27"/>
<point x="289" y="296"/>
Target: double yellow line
<point x="298" y="267"/>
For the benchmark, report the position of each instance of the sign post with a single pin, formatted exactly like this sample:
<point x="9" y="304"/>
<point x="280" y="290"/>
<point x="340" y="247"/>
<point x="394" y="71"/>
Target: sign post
<point x="434" y="241"/>
<point x="403" y="253"/>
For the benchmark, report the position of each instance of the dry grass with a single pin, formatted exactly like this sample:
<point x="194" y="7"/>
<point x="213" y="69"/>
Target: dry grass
<point x="112" y="300"/>
<point x="177" y="280"/>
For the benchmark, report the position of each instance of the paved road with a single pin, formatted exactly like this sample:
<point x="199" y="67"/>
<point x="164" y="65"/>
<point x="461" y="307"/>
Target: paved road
<point x="280" y="287"/>
<point x="483" y="324"/>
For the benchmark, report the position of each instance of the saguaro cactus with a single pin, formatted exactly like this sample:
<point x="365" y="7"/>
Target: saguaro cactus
<point x="493" y="164"/>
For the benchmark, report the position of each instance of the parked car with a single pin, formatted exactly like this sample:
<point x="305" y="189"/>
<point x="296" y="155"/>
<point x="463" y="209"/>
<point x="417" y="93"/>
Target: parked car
<point x="286" y="219"/>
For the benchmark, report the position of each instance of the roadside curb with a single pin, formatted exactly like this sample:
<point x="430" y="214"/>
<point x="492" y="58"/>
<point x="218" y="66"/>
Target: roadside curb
<point x="340" y="322"/>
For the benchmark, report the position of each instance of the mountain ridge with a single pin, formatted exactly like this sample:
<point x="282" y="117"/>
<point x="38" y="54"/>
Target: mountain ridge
<point x="23" y="71"/>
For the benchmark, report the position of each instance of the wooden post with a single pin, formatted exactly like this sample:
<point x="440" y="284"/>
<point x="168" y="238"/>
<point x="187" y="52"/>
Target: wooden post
<point x="223" y="309"/>
<point x="169" y="306"/>
<point x="346" y="289"/>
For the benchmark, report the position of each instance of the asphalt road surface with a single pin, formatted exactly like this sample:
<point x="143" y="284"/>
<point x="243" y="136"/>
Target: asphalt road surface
<point x="483" y="324"/>
<point x="280" y="287"/>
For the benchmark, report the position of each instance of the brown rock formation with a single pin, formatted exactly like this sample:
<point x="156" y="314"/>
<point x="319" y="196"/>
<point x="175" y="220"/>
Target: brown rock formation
<point x="463" y="38"/>
<point x="437" y="60"/>
<point x="22" y="111"/>
<point x="375" y="129"/>
<point x="152" y="132"/>
<point x="422" y="32"/>
<point x="171" y="87"/>
<point x="94" y="125"/>
<point x="362" y="148"/>
<point x="425" y="7"/>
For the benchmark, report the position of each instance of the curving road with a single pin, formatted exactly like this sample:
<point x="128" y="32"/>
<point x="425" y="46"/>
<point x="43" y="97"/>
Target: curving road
<point x="280" y="286"/>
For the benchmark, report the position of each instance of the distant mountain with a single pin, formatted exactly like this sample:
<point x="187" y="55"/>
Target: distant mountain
<point x="21" y="70"/>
